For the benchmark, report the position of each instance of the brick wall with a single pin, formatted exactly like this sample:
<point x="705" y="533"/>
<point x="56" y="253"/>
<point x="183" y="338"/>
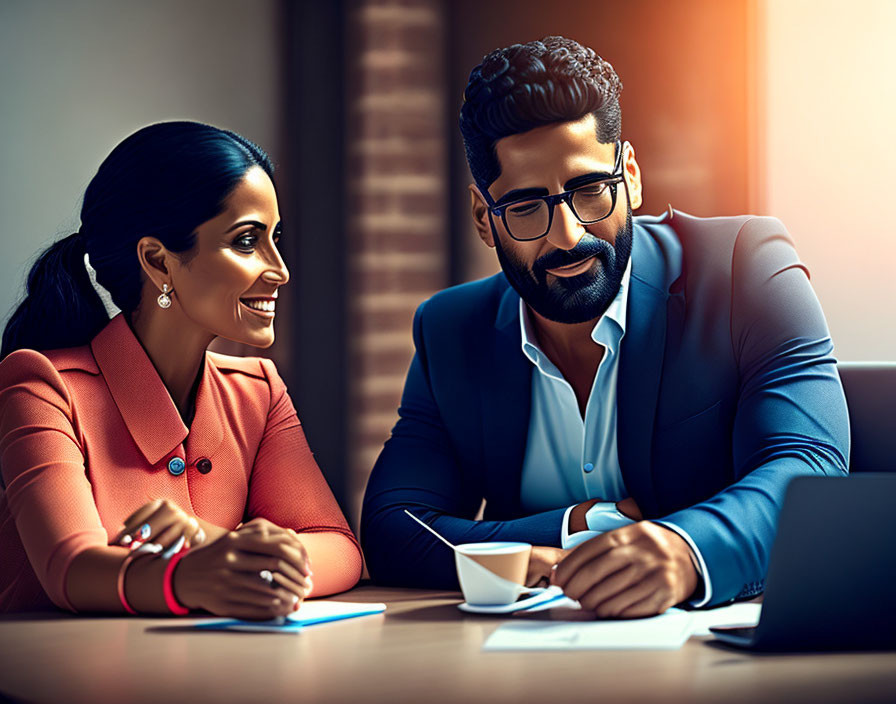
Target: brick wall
<point x="397" y="210"/>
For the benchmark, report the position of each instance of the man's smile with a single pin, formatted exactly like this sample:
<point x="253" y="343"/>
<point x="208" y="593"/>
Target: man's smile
<point x="574" y="269"/>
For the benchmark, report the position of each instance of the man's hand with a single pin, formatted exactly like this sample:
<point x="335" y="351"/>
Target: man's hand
<point x="635" y="571"/>
<point x="541" y="564"/>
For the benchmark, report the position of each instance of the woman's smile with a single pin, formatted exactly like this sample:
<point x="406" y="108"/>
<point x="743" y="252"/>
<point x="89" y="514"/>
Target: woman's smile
<point x="263" y="306"/>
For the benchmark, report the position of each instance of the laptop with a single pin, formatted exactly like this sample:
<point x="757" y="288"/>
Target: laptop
<point x="832" y="574"/>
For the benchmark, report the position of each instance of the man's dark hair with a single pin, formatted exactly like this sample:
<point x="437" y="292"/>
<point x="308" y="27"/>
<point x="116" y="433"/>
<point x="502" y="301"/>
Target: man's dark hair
<point x="524" y="86"/>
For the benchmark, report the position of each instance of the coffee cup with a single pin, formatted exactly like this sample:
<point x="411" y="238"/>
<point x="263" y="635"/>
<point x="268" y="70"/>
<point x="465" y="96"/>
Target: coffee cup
<point x="492" y="573"/>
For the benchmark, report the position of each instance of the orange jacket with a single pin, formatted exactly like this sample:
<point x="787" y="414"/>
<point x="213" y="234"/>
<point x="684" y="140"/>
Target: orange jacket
<point x="88" y="434"/>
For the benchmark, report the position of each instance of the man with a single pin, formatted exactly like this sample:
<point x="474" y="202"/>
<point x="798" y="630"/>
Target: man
<point x="630" y="395"/>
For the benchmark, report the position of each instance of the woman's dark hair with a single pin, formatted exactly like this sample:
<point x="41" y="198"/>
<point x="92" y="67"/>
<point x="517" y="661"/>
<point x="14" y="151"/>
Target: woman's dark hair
<point x="525" y="86"/>
<point x="163" y="181"/>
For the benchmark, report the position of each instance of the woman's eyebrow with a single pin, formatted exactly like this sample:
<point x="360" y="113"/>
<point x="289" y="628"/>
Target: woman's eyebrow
<point x="241" y="223"/>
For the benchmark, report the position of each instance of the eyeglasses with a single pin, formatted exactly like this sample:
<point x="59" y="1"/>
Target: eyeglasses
<point x="530" y="218"/>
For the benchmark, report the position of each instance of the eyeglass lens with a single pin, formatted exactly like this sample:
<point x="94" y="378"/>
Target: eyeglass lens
<point x="531" y="219"/>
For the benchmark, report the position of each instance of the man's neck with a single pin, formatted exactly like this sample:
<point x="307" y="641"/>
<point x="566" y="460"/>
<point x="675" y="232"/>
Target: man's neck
<point x="563" y="340"/>
<point x="572" y="350"/>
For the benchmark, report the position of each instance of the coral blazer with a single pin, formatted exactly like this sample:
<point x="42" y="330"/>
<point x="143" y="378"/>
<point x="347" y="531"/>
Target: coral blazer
<point x="90" y="434"/>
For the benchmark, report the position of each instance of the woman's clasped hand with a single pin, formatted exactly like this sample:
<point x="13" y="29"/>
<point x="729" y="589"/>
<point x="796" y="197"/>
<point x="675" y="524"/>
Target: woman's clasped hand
<point x="161" y="523"/>
<point x="258" y="571"/>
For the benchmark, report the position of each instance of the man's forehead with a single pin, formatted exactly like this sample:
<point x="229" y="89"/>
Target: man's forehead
<point x="559" y="150"/>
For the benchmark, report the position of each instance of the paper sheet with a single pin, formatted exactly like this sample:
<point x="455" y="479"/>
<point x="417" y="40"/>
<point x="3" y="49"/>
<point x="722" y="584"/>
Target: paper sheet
<point x="667" y="631"/>
<point x="732" y="615"/>
<point x="309" y="614"/>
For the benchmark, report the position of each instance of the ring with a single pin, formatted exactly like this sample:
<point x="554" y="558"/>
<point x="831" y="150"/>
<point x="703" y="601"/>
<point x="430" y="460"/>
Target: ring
<point x="144" y="532"/>
<point x="267" y="576"/>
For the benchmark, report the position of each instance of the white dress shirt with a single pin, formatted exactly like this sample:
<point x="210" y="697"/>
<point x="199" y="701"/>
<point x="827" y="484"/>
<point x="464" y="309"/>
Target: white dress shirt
<point x="570" y="459"/>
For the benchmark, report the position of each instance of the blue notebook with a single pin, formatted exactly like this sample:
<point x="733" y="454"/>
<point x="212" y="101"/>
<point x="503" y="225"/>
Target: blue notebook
<point x="310" y="613"/>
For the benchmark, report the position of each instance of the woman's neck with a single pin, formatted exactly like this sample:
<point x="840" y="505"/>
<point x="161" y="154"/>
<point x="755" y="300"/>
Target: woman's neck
<point x="176" y="348"/>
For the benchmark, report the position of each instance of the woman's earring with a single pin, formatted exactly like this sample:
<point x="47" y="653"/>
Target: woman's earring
<point x="164" y="299"/>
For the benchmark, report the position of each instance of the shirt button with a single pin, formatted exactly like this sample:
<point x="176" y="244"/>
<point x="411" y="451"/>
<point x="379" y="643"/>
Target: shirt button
<point x="588" y="467"/>
<point x="204" y="465"/>
<point x="176" y="466"/>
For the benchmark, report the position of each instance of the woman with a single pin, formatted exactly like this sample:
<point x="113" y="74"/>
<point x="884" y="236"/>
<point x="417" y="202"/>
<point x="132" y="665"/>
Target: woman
<point x="142" y="473"/>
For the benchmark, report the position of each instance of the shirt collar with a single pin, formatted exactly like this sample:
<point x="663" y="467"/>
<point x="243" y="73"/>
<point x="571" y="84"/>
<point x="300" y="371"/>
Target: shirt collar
<point x="607" y="331"/>
<point x="143" y="400"/>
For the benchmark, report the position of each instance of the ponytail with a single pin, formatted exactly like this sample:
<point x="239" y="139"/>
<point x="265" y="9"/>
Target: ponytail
<point x="61" y="307"/>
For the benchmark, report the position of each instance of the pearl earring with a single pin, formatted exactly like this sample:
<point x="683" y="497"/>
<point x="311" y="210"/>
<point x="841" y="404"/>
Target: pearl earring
<point x="164" y="299"/>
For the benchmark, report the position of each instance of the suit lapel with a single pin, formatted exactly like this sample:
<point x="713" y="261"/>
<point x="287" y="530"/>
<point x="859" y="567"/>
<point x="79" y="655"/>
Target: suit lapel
<point x="640" y="368"/>
<point x="505" y="394"/>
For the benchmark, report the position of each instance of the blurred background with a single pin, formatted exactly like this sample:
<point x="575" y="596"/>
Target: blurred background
<point x="780" y="107"/>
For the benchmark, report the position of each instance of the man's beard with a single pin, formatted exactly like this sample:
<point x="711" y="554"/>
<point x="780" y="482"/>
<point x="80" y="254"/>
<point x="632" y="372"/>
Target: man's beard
<point x="572" y="299"/>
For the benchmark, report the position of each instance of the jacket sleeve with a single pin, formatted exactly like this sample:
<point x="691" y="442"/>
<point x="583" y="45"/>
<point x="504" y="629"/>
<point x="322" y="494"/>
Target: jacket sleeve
<point x="791" y="417"/>
<point x="419" y="470"/>
<point x="287" y="488"/>
<point x="43" y="471"/>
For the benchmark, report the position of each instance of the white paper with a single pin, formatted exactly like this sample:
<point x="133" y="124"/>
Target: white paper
<point x="667" y="631"/>
<point x="732" y="615"/>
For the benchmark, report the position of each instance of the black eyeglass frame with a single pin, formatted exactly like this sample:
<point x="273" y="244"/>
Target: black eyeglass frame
<point x="564" y="197"/>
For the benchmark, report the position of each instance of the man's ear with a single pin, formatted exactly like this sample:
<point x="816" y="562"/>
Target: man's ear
<point x="632" y="173"/>
<point x="479" y="211"/>
<point x="154" y="259"/>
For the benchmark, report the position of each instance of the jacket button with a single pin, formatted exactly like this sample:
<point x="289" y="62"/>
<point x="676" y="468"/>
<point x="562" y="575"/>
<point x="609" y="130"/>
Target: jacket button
<point x="204" y="465"/>
<point x="588" y="467"/>
<point x="176" y="466"/>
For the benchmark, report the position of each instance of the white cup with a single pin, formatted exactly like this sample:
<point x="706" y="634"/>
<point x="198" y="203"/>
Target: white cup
<point x="492" y="573"/>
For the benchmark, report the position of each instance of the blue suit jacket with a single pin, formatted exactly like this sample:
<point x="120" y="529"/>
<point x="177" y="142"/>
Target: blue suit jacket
<point x="727" y="389"/>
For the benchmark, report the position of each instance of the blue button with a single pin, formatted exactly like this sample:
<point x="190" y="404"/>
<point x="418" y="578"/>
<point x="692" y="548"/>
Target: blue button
<point x="588" y="467"/>
<point x="176" y="466"/>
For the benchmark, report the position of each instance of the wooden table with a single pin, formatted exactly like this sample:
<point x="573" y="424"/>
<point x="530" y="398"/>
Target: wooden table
<point x="421" y="650"/>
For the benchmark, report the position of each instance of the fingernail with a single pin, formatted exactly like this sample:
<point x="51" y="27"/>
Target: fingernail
<point x="126" y="540"/>
<point x="136" y="544"/>
<point x="199" y="537"/>
<point x="144" y="531"/>
<point x="151" y="548"/>
<point x="295" y="599"/>
<point x="174" y="549"/>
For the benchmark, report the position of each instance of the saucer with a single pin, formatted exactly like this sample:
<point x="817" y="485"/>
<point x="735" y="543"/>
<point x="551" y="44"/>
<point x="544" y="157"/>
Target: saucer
<point x="538" y="598"/>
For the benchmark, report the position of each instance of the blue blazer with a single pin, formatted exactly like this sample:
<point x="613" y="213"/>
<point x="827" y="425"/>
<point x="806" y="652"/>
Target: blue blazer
<point x="727" y="389"/>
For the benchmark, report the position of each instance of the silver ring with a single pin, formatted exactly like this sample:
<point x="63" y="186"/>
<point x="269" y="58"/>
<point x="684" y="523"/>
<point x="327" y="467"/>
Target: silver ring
<point x="267" y="576"/>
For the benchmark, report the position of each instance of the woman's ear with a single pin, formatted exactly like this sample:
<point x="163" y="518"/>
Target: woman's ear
<point x="479" y="211"/>
<point x="154" y="259"/>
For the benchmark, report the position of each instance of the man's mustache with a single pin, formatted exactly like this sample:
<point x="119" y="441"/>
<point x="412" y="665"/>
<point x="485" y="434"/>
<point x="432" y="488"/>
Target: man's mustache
<point x="588" y="246"/>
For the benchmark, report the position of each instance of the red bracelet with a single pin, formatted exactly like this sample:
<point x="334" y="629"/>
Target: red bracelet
<point x="121" y="570"/>
<point x="171" y="601"/>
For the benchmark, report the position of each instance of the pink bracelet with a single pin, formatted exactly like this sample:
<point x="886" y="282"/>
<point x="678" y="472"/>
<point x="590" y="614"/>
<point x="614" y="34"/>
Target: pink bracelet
<point x="171" y="601"/>
<point x="121" y="570"/>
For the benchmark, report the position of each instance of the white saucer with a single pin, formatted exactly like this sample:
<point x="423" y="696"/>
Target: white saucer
<point x="538" y="598"/>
